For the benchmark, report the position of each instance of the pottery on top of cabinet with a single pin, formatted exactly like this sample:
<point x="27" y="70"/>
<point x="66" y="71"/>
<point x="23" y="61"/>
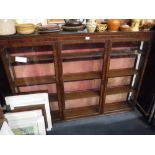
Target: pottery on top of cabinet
<point x="114" y="25"/>
<point x="7" y="26"/>
<point x="91" y="25"/>
<point x="135" y="24"/>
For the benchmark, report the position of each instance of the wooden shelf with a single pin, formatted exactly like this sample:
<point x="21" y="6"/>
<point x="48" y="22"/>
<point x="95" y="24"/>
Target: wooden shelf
<point x="33" y="59"/>
<point x="121" y="72"/>
<point x="93" y="55"/>
<point x="116" y="107"/>
<point x="81" y="94"/>
<point x="121" y="89"/>
<point x="124" y="53"/>
<point x="76" y="56"/>
<point x="81" y="112"/>
<point x="82" y="76"/>
<point x="29" y="81"/>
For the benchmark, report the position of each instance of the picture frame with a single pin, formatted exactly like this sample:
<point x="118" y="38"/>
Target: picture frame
<point x="32" y="107"/>
<point x="26" y="123"/>
<point x="29" y="100"/>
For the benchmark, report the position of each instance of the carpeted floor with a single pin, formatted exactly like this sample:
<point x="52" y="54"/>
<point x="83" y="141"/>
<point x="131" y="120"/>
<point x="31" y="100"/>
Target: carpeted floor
<point x="127" y="123"/>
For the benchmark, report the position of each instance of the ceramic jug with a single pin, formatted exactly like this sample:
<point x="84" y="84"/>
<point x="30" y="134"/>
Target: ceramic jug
<point x="135" y="24"/>
<point x="114" y="24"/>
<point x="7" y="26"/>
<point x="91" y="25"/>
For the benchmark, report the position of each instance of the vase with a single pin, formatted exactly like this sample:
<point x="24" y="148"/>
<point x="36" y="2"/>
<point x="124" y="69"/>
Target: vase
<point x="114" y="24"/>
<point x="135" y="24"/>
<point x="91" y="25"/>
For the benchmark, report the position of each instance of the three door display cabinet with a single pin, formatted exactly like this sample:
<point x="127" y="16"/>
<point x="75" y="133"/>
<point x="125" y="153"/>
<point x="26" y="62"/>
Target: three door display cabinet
<point x="84" y="74"/>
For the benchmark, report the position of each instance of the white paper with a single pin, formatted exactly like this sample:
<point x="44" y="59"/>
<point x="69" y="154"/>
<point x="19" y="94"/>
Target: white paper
<point x="5" y="129"/>
<point x="87" y="38"/>
<point x="21" y="59"/>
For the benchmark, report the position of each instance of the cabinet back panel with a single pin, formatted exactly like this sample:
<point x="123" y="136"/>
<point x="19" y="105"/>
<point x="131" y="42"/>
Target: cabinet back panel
<point x="119" y="81"/>
<point x="121" y="63"/>
<point x="51" y="88"/>
<point x="116" y="98"/>
<point x="82" y="66"/>
<point x="34" y="70"/>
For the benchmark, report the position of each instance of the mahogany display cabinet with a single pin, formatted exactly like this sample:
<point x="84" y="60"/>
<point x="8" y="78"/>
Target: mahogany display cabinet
<point x="85" y="74"/>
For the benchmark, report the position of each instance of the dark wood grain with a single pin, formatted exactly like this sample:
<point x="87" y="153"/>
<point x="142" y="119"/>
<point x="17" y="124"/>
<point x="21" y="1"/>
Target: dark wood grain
<point x="104" y="79"/>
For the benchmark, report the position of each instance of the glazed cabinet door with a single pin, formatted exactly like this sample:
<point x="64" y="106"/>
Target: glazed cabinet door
<point x="81" y="76"/>
<point x="126" y="64"/>
<point x="32" y="68"/>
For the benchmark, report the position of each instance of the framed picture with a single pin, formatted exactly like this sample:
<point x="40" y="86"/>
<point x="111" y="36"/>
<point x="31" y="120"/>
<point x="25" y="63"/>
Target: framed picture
<point x="33" y="107"/>
<point x="29" y="100"/>
<point x="26" y="123"/>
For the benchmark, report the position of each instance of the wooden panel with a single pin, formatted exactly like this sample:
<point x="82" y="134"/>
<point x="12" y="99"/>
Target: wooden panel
<point x="29" y="81"/>
<point x="81" y="94"/>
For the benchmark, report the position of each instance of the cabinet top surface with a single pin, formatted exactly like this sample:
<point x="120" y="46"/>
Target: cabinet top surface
<point x="76" y="34"/>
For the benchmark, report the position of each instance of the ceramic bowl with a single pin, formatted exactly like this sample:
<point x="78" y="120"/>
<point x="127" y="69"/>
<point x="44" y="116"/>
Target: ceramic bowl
<point x="125" y="28"/>
<point x="25" y="28"/>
